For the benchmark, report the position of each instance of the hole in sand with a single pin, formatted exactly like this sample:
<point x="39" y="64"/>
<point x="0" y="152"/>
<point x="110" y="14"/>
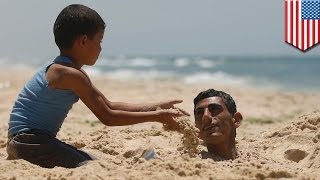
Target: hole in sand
<point x="295" y="155"/>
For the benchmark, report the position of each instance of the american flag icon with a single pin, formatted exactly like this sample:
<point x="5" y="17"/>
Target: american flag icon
<point x="302" y="25"/>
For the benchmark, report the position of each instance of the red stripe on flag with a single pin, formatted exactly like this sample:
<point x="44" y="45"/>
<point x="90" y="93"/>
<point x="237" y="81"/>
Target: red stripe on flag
<point x="285" y="21"/>
<point x="302" y="34"/>
<point x="317" y="41"/>
<point x="313" y="32"/>
<point x="291" y="21"/>
<point x="308" y="34"/>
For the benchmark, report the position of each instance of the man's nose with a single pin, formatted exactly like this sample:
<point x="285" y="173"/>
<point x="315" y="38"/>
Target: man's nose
<point x="206" y="118"/>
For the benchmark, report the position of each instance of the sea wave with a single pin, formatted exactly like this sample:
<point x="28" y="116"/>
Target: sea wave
<point x="269" y="72"/>
<point x="206" y="63"/>
<point x="126" y="73"/>
<point x="178" y="62"/>
<point x="181" y="62"/>
<point x="216" y="77"/>
<point x="201" y="77"/>
<point x="127" y="62"/>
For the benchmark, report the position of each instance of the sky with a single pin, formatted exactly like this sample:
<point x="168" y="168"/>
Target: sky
<point x="154" y="27"/>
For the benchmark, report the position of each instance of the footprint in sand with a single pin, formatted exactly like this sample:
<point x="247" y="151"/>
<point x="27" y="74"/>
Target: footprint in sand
<point x="295" y="155"/>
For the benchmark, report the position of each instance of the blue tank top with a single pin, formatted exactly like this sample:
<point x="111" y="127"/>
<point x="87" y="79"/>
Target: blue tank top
<point x="40" y="107"/>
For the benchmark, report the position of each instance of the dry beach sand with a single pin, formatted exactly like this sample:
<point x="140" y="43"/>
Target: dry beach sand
<point x="279" y="138"/>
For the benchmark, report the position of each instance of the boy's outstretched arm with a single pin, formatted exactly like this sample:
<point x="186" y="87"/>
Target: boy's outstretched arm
<point x="79" y="83"/>
<point x="144" y="107"/>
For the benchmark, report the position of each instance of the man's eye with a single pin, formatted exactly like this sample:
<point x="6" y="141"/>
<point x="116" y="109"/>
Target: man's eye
<point x="198" y="119"/>
<point x="214" y="110"/>
<point x="199" y="112"/>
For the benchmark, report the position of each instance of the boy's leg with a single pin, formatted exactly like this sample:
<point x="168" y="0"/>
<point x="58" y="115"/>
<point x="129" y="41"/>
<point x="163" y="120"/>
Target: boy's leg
<point x="45" y="151"/>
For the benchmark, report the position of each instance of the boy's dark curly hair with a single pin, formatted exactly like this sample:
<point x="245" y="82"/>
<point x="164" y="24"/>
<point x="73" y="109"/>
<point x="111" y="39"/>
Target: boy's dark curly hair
<point x="73" y="21"/>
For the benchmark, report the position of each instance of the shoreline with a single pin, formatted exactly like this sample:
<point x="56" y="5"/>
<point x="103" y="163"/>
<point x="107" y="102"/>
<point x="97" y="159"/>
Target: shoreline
<point x="133" y="72"/>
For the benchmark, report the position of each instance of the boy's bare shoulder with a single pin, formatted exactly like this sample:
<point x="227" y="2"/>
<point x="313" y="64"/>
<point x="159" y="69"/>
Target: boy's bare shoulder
<point x="65" y="77"/>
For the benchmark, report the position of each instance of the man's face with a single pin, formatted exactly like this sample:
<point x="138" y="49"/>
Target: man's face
<point x="214" y="121"/>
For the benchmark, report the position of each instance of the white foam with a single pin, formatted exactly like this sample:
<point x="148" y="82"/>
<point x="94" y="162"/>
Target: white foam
<point x="129" y="62"/>
<point x="112" y="62"/>
<point x="142" y="62"/>
<point x="206" y="63"/>
<point x="219" y="77"/>
<point x="91" y="71"/>
<point x="180" y="62"/>
<point x="139" y="74"/>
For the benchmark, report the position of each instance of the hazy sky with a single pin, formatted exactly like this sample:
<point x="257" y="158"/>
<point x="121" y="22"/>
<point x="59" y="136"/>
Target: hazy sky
<point x="211" y="27"/>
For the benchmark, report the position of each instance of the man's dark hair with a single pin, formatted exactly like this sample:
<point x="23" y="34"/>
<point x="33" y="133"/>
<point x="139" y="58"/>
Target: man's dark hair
<point x="73" y="21"/>
<point x="227" y="99"/>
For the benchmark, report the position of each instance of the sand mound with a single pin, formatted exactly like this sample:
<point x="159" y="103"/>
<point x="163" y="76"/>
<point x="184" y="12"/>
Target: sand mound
<point x="190" y="140"/>
<point x="297" y="142"/>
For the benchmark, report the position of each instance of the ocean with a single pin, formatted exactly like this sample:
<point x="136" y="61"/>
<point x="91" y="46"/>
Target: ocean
<point x="283" y="72"/>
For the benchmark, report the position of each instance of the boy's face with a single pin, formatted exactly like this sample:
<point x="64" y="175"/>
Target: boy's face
<point x="214" y="121"/>
<point x="93" y="48"/>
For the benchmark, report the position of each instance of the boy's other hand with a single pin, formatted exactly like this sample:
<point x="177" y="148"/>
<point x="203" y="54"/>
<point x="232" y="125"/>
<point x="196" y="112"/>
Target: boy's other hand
<point x="170" y="105"/>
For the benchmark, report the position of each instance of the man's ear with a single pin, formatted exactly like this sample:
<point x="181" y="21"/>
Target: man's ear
<point x="237" y="119"/>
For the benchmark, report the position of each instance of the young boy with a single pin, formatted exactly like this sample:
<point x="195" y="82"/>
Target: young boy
<point x="46" y="99"/>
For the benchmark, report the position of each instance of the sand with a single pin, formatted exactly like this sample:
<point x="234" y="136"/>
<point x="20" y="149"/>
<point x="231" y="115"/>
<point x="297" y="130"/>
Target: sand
<point x="279" y="137"/>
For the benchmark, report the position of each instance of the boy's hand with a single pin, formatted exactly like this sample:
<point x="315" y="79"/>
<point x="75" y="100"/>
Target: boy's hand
<point x="170" y="105"/>
<point x="168" y="117"/>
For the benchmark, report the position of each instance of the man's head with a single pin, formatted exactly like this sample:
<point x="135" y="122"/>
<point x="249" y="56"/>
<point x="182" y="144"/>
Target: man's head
<point x="216" y="117"/>
<point x="74" y="21"/>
